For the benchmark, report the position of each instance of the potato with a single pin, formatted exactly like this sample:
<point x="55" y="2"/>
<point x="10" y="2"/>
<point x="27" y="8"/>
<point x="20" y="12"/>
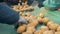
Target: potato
<point x="53" y="26"/>
<point x="23" y="4"/>
<point x="38" y="32"/>
<point x="26" y="33"/>
<point x="34" y="22"/>
<point x="32" y="17"/>
<point x="45" y="20"/>
<point x="16" y="10"/>
<point x="20" y="13"/>
<point x="48" y="32"/>
<point x="57" y="32"/>
<point x="29" y="25"/>
<point x="27" y="18"/>
<point x="26" y="3"/>
<point x="49" y="23"/>
<point x="31" y="8"/>
<point x="20" y="7"/>
<point x="28" y="9"/>
<point x="44" y="28"/>
<point x="24" y="15"/>
<point x="58" y="29"/>
<point x="41" y="15"/>
<point x="39" y="19"/>
<point x="24" y="9"/>
<point x="15" y="7"/>
<point x="21" y="10"/>
<point x="28" y="14"/>
<point x="30" y="29"/>
<point x="21" y="28"/>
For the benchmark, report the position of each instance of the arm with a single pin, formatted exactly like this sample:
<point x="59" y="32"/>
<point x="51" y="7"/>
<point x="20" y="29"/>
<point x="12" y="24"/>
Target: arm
<point x="7" y="15"/>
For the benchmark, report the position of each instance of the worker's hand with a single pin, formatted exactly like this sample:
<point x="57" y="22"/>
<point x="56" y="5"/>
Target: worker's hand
<point x="22" y="20"/>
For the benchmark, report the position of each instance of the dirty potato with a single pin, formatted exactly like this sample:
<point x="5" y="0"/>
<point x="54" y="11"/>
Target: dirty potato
<point x="44" y="28"/>
<point x="41" y="15"/>
<point x="30" y="29"/>
<point x="39" y="19"/>
<point x="58" y="29"/>
<point x="45" y="20"/>
<point x="38" y="32"/>
<point x="26" y="33"/>
<point x="21" y="28"/>
<point x="53" y="26"/>
<point x="34" y="22"/>
<point x="57" y="32"/>
<point x="49" y="32"/>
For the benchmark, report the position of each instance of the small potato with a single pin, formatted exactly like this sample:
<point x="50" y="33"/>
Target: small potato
<point x="27" y="18"/>
<point x="48" y="32"/>
<point x="28" y="14"/>
<point x="26" y="6"/>
<point x="58" y="29"/>
<point x="31" y="29"/>
<point x="26" y="3"/>
<point x="39" y="19"/>
<point x="29" y="25"/>
<point x="17" y="10"/>
<point x="49" y="23"/>
<point x="38" y="32"/>
<point x="21" y="13"/>
<point x="15" y="6"/>
<point x="23" y="4"/>
<point x="34" y="22"/>
<point x="30" y="32"/>
<point x="24" y="9"/>
<point x="31" y="7"/>
<point x="21" y="10"/>
<point x="45" y="20"/>
<point x="57" y="32"/>
<point x="26" y="33"/>
<point x="44" y="28"/>
<point x="33" y="17"/>
<point x="24" y="15"/>
<point x="21" y="28"/>
<point x="19" y="4"/>
<point x="53" y="26"/>
<point x="28" y="9"/>
<point x="20" y="7"/>
<point x="41" y="15"/>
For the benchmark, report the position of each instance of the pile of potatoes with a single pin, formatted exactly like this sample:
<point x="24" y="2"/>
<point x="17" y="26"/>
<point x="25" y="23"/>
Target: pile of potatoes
<point x="23" y="7"/>
<point x="49" y="26"/>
